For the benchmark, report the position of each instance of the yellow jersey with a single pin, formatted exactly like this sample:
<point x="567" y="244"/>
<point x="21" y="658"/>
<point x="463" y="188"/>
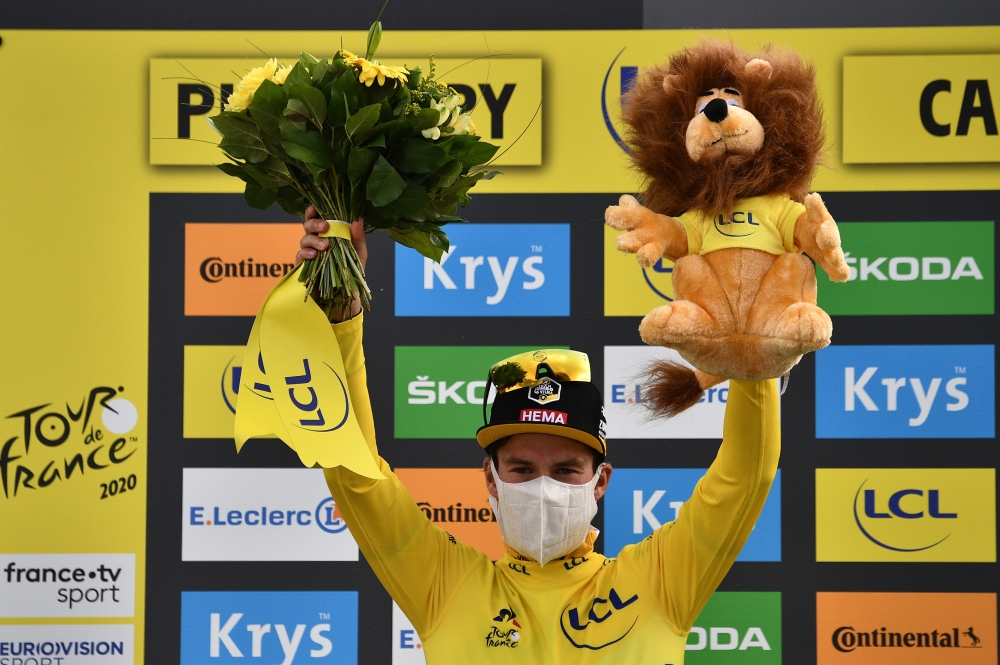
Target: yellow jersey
<point x="584" y="608"/>
<point x="761" y="222"/>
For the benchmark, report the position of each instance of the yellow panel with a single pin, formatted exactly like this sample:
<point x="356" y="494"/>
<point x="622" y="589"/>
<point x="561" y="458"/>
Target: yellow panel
<point x="629" y="289"/>
<point x="501" y="126"/>
<point x="905" y="515"/>
<point x="211" y="384"/>
<point x="921" y="109"/>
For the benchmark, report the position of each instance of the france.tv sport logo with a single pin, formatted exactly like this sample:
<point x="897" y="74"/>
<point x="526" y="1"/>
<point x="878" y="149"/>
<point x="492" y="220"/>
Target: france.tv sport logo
<point x="889" y="392"/>
<point x="269" y="627"/>
<point x="489" y="270"/>
<point x="642" y="500"/>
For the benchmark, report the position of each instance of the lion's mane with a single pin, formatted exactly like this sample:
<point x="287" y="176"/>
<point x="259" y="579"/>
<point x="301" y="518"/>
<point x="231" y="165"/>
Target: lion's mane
<point x="786" y="104"/>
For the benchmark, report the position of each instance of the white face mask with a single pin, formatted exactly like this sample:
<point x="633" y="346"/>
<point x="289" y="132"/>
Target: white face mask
<point x="544" y="518"/>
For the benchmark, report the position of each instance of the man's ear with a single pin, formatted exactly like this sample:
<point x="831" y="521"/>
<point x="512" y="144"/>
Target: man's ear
<point x="602" y="485"/>
<point x="491" y="484"/>
<point x="758" y="68"/>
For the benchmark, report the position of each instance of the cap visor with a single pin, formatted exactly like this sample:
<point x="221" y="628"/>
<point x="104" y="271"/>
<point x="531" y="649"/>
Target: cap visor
<point x="492" y="433"/>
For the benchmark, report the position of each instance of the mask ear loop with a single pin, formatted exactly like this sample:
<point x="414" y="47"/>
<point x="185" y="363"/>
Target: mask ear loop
<point x="486" y="396"/>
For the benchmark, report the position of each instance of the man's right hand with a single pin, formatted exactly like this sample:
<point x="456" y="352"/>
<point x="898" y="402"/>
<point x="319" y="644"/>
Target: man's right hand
<point x="311" y="243"/>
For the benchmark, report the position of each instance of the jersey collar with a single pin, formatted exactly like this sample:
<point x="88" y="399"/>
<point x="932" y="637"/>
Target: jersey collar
<point x="574" y="563"/>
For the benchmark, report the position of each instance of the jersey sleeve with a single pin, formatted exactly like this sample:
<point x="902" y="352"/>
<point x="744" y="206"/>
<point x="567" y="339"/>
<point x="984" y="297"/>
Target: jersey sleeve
<point x="420" y="565"/>
<point x="685" y="561"/>
<point x="787" y="215"/>
<point x="689" y="221"/>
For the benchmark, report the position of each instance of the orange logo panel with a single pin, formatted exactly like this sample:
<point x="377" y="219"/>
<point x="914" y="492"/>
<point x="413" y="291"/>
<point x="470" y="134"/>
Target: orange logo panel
<point x="906" y="628"/>
<point x="230" y="268"/>
<point x="457" y="501"/>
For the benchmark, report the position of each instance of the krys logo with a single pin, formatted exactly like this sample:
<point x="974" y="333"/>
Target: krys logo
<point x="737" y="627"/>
<point x="58" y="444"/>
<point x="905" y="515"/>
<point x="886" y="392"/>
<point x="283" y="627"/>
<point x="588" y="626"/>
<point x="489" y="270"/>
<point x="913" y="268"/>
<point x="439" y="389"/>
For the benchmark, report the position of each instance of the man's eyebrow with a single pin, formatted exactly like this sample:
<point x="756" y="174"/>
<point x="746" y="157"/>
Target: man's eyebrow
<point x="518" y="461"/>
<point x="572" y="461"/>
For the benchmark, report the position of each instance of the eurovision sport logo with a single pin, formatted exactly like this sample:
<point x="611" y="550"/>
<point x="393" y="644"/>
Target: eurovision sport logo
<point x="230" y="268"/>
<point x="67" y="585"/>
<point x="439" y="389"/>
<point x="273" y="626"/>
<point x="906" y="628"/>
<point x="735" y="628"/>
<point x="262" y="515"/>
<point x="77" y="644"/>
<point x="906" y="515"/>
<point x="895" y="392"/>
<point x="913" y="268"/>
<point x="457" y="501"/>
<point x="489" y="270"/>
<point x="69" y="440"/>
<point x="624" y="367"/>
<point x="640" y="501"/>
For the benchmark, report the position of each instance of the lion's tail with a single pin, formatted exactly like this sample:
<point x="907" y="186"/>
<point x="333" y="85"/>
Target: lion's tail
<point x="672" y="388"/>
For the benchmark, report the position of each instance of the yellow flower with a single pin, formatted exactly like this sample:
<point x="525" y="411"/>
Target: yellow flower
<point x="371" y="71"/>
<point x="280" y="75"/>
<point x="242" y="96"/>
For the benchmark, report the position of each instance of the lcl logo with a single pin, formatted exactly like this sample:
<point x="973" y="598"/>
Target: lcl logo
<point x="976" y="103"/>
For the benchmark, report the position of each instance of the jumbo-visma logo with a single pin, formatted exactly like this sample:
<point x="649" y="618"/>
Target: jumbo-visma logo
<point x="489" y="270"/>
<point x="905" y="515"/>
<point x="284" y="627"/>
<point x="888" y="392"/>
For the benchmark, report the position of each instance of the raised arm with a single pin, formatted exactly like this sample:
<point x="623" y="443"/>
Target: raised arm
<point x="684" y="561"/>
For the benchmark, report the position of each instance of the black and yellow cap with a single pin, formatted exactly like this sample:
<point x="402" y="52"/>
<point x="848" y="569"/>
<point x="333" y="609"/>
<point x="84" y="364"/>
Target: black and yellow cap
<point x="547" y="391"/>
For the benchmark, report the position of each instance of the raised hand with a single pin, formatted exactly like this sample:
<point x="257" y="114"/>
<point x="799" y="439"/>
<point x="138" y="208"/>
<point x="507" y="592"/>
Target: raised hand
<point x="650" y="236"/>
<point x="817" y="235"/>
<point x="312" y="243"/>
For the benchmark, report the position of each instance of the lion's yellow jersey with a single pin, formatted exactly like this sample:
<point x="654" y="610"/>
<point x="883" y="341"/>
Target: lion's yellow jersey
<point x="761" y="222"/>
<point x="584" y="608"/>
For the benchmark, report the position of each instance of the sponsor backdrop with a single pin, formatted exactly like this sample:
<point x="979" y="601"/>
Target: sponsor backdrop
<point x="131" y="531"/>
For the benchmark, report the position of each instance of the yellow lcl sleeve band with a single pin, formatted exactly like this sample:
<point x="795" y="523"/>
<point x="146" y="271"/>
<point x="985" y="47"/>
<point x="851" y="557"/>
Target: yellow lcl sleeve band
<point x="338" y="229"/>
<point x="294" y="386"/>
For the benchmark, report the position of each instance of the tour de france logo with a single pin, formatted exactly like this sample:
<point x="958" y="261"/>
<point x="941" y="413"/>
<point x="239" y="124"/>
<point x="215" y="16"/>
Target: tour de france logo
<point x="545" y="391"/>
<point x="505" y="631"/>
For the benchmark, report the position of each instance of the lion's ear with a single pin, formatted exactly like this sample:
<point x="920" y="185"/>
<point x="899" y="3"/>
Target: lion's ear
<point x="759" y="68"/>
<point x="670" y="82"/>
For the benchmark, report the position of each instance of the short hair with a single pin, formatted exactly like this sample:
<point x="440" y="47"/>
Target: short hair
<point x="493" y="449"/>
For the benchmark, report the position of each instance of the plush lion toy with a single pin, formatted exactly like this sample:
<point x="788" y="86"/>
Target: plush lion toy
<point x="728" y="144"/>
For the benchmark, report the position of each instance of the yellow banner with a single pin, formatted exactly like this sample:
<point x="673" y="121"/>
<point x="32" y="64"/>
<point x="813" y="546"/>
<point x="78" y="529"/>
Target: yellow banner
<point x="906" y="515"/>
<point x="212" y="376"/>
<point x="504" y="93"/>
<point x="294" y="386"/>
<point x="630" y="289"/>
<point x="921" y="109"/>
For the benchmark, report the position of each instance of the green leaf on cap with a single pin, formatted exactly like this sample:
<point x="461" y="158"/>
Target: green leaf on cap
<point x="506" y="375"/>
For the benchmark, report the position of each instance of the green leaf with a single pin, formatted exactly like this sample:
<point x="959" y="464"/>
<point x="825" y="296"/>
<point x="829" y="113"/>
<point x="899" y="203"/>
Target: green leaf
<point x="359" y="164"/>
<point x="474" y="154"/>
<point x="312" y="100"/>
<point x="418" y="240"/>
<point x="363" y="120"/>
<point x="320" y="71"/>
<point x="413" y="200"/>
<point x="258" y="197"/>
<point x="234" y="170"/>
<point x="384" y="184"/>
<point x="266" y="108"/>
<point x="244" y="147"/>
<point x="418" y="156"/>
<point x="288" y="125"/>
<point x="309" y="147"/>
<point x="308" y="60"/>
<point x="299" y="74"/>
<point x="445" y="176"/>
<point x="317" y="173"/>
<point x="296" y="110"/>
<point x="374" y="37"/>
<point x="291" y="201"/>
<point x="337" y="112"/>
<point x="264" y="178"/>
<point x="425" y="119"/>
<point x="377" y="142"/>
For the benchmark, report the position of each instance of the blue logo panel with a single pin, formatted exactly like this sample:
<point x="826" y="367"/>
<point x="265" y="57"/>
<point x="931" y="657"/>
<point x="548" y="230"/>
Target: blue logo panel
<point x="641" y="500"/>
<point x="490" y="270"/>
<point x="276" y="626"/>
<point x="905" y="392"/>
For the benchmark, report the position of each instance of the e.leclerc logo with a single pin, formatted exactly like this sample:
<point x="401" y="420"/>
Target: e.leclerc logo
<point x="889" y="392"/>
<point x="642" y="500"/>
<point x="913" y="268"/>
<point x="262" y="515"/>
<point x="905" y="515"/>
<point x="439" y="389"/>
<point x="489" y="270"/>
<point x="283" y="627"/>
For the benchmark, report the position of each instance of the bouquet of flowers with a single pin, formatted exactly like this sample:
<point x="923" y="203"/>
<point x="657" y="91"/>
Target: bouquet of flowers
<point x="356" y="139"/>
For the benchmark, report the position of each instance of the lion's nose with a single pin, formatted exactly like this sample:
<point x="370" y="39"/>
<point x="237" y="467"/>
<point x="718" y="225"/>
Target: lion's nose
<point x="717" y="110"/>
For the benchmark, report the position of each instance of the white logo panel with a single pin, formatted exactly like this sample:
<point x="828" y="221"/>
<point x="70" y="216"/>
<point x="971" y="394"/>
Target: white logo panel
<point x="407" y="649"/>
<point x="79" y="644"/>
<point x="67" y="585"/>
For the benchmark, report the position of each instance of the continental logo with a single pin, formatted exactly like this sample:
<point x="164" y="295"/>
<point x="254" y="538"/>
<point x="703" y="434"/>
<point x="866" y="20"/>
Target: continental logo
<point x="906" y="628"/>
<point x="456" y="500"/>
<point x="913" y="268"/>
<point x="905" y="515"/>
<point x="211" y="386"/>
<point x="230" y="268"/>
<point x="630" y="289"/>
<point x="921" y="109"/>
<point x="504" y="93"/>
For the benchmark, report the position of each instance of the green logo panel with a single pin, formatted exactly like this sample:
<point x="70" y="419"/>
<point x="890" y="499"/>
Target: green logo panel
<point x="913" y="268"/>
<point x="439" y="389"/>
<point x="737" y="628"/>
